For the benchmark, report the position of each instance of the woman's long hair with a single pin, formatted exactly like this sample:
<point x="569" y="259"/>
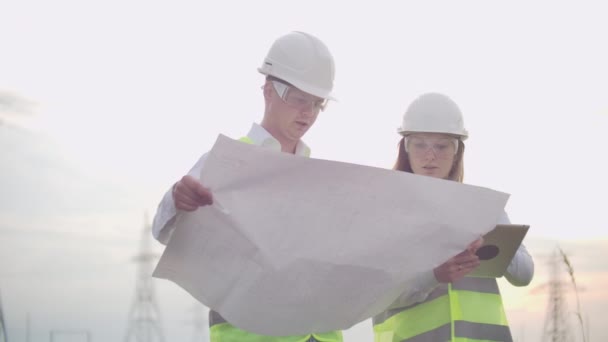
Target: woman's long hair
<point x="456" y="173"/>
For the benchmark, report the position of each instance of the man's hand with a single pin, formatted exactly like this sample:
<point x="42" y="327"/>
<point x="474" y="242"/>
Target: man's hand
<point x="189" y="194"/>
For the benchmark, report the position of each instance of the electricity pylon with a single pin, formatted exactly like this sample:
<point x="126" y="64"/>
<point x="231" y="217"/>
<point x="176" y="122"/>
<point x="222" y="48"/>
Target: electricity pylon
<point x="556" y="325"/>
<point x="144" y="316"/>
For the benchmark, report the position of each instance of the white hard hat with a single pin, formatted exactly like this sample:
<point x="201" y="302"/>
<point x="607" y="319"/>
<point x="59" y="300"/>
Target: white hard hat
<point x="303" y="61"/>
<point x="433" y="113"/>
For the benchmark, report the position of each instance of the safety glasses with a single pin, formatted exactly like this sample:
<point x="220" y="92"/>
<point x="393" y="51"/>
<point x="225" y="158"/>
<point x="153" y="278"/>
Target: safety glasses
<point x="443" y="148"/>
<point x="298" y="99"/>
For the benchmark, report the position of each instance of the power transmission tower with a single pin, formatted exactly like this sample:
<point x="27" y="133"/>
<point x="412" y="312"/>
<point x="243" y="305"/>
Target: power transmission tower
<point x="144" y="316"/>
<point x="556" y="325"/>
<point x="3" y="337"/>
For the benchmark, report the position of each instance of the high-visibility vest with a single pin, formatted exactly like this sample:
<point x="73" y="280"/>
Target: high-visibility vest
<point x="222" y="331"/>
<point x="464" y="311"/>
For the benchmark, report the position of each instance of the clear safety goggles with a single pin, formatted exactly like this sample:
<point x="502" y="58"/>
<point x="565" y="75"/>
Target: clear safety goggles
<point x="298" y="99"/>
<point x="443" y="148"/>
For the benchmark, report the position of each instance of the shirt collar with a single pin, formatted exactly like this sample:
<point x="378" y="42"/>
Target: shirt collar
<point x="260" y="136"/>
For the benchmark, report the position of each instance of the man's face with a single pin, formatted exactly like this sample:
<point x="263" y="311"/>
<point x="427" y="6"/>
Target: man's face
<point x="290" y="112"/>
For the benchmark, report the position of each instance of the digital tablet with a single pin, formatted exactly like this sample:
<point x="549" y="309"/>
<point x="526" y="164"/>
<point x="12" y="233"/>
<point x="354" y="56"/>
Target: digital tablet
<point x="499" y="247"/>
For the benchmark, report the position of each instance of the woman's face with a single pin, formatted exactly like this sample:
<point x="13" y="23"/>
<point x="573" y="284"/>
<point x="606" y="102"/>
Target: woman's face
<point x="431" y="154"/>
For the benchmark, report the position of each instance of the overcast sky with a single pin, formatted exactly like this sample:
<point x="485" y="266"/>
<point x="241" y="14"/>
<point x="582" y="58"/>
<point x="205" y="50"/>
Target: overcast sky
<point x="104" y="104"/>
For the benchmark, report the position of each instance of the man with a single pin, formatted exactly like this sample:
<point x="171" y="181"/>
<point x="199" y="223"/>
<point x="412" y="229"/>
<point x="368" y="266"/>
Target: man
<point x="299" y="73"/>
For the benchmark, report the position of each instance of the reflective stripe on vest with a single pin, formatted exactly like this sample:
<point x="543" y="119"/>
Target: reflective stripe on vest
<point x="467" y="310"/>
<point x="222" y="331"/>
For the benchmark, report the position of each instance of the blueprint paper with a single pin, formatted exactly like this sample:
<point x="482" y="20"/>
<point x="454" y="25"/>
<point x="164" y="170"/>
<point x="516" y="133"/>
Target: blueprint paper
<point x="296" y="245"/>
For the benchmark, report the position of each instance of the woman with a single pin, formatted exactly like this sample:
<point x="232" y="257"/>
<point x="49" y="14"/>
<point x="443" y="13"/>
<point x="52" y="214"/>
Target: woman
<point x="445" y="304"/>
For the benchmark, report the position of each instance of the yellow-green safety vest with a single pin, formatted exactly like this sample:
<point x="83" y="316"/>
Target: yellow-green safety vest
<point x="467" y="310"/>
<point x="222" y="331"/>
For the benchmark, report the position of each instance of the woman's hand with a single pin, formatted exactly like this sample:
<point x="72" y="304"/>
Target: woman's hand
<point x="460" y="265"/>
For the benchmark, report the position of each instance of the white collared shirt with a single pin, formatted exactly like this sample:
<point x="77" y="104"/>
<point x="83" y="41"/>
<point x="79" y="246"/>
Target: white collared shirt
<point x="164" y="219"/>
